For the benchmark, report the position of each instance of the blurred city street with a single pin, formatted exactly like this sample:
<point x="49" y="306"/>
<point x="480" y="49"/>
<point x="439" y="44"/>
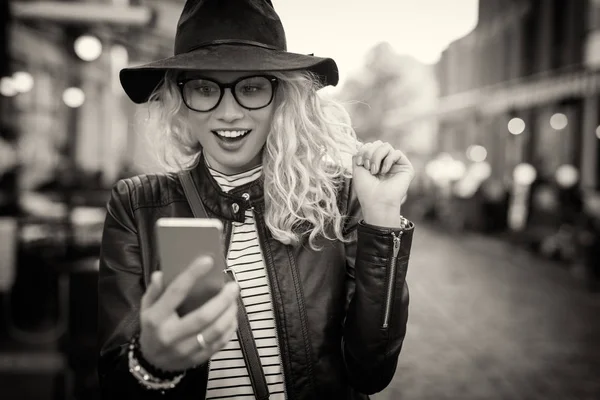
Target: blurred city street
<point x="489" y="321"/>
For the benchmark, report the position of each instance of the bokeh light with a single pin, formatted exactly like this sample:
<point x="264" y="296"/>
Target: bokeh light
<point x="566" y="176"/>
<point x="481" y="170"/>
<point x="516" y="126"/>
<point x="7" y="86"/>
<point x="23" y="81"/>
<point x="559" y="121"/>
<point x="524" y="174"/>
<point x="455" y="170"/>
<point x="88" y="47"/>
<point x="73" y="97"/>
<point x="477" y="153"/>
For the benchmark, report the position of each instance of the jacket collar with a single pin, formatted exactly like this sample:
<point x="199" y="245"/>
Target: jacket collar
<point x="230" y="205"/>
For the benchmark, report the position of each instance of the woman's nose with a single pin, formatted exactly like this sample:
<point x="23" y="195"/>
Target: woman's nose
<point x="229" y="109"/>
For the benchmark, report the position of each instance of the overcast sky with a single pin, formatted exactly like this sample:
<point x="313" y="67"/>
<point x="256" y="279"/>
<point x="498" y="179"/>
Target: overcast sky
<point x="346" y="29"/>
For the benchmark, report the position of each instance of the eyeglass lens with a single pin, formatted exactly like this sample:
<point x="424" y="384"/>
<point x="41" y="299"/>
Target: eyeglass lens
<point x="204" y="94"/>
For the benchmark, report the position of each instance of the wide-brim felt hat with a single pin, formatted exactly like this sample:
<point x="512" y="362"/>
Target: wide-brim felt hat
<point x="226" y="35"/>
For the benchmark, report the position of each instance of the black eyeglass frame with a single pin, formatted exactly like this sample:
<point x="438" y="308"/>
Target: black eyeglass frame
<point x="222" y="86"/>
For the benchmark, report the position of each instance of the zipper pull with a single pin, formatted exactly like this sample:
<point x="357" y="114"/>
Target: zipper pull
<point x="396" y="243"/>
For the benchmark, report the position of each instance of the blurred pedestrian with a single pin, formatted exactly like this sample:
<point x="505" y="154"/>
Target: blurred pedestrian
<point x="317" y="238"/>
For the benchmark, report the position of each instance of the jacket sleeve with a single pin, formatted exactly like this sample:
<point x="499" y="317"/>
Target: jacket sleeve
<point x="121" y="285"/>
<point x="377" y="299"/>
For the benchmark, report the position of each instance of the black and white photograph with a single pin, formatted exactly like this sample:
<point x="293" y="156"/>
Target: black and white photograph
<point x="300" y="200"/>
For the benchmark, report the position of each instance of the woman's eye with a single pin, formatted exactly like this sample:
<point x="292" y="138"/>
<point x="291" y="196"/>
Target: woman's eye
<point x="249" y="89"/>
<point x="204" y="90"/>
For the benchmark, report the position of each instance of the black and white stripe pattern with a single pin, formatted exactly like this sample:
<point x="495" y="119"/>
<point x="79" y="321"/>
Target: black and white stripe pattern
<point x="228" y="377"/>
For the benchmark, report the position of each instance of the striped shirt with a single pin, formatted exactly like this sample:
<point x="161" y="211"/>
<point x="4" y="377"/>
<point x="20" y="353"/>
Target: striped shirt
<point x="228" y="377"/>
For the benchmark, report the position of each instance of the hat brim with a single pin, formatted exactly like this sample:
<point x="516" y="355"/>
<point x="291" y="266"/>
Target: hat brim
<point x="139" y="82"/>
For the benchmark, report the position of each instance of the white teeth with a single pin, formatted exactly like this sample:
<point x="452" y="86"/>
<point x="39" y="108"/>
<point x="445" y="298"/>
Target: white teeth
<point x="231" y="134"/>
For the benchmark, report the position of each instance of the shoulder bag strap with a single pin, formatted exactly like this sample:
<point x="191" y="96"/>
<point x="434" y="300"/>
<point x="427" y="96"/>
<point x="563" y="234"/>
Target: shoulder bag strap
<point x="244" y="332"/>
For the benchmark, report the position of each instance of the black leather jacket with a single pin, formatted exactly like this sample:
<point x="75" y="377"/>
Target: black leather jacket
<point x="341" y="312"/>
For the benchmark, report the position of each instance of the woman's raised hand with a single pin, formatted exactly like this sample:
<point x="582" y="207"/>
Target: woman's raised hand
<point x="172" y="343"/>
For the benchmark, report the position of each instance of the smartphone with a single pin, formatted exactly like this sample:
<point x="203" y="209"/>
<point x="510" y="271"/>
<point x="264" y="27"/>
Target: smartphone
<point x="181" y="241"/>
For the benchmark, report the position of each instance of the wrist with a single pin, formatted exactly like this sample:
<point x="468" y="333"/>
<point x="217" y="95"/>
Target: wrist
<point x="385" y="217"/>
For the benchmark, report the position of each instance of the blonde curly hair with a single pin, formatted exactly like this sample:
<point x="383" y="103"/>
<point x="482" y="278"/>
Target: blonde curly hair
<point x="300" y="190"/>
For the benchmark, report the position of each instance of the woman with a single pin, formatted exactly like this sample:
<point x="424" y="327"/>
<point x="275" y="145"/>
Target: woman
<point x="319" y="247"/>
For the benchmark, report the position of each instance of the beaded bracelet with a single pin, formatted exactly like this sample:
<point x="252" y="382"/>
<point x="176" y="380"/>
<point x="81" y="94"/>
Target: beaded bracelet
<point x="157" y="372"/>
<point x="148" y="375"/>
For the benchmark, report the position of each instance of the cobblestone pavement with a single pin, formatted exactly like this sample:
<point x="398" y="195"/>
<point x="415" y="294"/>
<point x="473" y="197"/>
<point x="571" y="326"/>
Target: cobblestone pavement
<point x="489" y="321"/>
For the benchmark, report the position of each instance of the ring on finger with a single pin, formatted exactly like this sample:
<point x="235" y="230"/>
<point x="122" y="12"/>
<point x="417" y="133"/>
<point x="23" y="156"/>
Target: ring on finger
<point x="201" y="341"/>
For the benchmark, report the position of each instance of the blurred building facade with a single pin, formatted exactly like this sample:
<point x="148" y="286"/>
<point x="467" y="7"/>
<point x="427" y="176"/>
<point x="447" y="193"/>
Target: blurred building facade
<point x="96" y="137"/>
<point x="532" y="62"/>
<point x="66" y="135"/>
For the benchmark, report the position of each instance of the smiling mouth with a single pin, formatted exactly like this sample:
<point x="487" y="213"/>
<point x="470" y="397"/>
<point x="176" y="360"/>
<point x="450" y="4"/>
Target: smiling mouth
<point x="231" y="134"/>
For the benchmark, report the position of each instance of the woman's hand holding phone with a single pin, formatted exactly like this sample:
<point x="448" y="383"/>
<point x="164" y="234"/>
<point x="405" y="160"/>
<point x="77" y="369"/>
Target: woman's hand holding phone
<point x="169" y="341"/>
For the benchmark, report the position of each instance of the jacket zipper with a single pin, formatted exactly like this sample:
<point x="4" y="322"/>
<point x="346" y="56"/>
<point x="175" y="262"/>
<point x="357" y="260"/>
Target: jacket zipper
<point x="229" y="237"/>
<point x="391" y="279"/>
<point x="258" y="231"/>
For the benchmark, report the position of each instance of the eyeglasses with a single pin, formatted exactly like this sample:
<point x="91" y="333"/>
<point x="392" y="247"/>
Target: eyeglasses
<point x="251" y="92"/>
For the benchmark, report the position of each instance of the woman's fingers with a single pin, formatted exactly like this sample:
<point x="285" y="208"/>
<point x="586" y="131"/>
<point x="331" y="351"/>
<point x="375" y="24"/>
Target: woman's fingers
<point x="176" y="292"/>
<point x="228" y="334"/>
<point x="392" y="158"/>
<point x="378" y="155"/>
<point x="402" y="164"/>
<point x="216" y="336"/>
<point x="373" y="155"/>
<point x="360" y="154"/>
<point x="365" y="153"/>
<point x="153" y="291"/>
<point x="199" y="319"/>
